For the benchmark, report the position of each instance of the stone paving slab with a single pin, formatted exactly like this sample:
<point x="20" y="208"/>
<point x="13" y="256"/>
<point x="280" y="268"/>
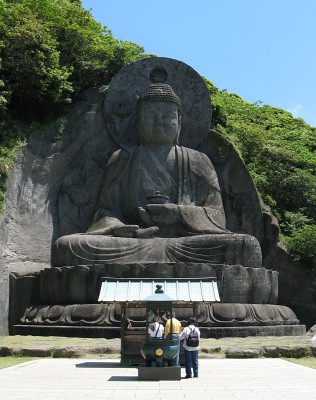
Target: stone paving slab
<point x="69" y="379"/>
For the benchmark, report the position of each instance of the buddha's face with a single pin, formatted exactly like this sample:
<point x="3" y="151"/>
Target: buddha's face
<point x="159" y="122"/>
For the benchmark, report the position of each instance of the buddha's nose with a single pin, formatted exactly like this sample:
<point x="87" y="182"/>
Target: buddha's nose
<point x="159" y="119"/>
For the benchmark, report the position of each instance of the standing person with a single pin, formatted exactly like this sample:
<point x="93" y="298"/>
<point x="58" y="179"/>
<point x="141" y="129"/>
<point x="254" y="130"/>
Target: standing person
<point x="156" y="329"/>
<point x="173" y="330"/>
<point x="191" y="337"/>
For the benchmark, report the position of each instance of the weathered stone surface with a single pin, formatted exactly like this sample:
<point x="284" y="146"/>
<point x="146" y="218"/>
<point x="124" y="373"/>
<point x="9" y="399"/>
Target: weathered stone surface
<point x="217" y="314"/>
<point x="6" y="351"/>
<point x="297" y="285"/>
<point x="271" y="351"/>
<point x="312" y="329"/>
<point x="237" y="284"/>
<point x="83" y="282"/>
<point x="29" y="222"/>
<point x="24" y="290"/>
<point x="286" y="351"/>
<point x="68" y="315"/>
<point x="240" y="352"/>
<point x="240" y="198"/>
<point x="69" y="352"/>
<point x="213" y="349"/>
<point x="104" y="349"/>
<point x="231" y="314"/>
<point x="33" y="352"/>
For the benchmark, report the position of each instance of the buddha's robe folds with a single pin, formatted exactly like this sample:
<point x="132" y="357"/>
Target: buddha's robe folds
<point x="189" y="179"/>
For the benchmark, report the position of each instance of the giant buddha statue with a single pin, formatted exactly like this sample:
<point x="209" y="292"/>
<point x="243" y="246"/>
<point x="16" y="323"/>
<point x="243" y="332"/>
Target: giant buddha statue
<point x="158" y="201"/>
<point x="147" y="191"/>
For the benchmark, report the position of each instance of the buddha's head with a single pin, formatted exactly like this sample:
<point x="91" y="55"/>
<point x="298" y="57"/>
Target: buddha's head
<point x="159" y="115"/>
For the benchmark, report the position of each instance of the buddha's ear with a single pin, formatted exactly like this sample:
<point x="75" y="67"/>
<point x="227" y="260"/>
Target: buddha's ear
<point x="179" y="128"/>
<point x="138" y="125"/>
<point x="179" y="120"/>
<point x="140" y="138"/>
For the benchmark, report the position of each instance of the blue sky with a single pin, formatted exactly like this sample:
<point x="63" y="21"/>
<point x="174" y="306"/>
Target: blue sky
<point x="263" y="50"/>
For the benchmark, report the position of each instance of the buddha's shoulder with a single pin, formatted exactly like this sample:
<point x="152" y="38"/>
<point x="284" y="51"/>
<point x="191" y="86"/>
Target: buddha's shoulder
<point x="121" y="156"/>
<point x="196" y="155"/>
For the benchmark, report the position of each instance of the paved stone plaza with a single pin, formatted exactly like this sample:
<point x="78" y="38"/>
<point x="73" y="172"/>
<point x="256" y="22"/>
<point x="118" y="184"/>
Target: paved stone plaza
<point x="65" y="379"/>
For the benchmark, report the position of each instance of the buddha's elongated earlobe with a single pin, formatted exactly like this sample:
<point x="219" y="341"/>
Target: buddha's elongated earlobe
<point x="179" y="128"/>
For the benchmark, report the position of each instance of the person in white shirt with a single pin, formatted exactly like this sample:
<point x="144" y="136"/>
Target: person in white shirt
<point x="191" y="348"/>
<point x="156" y="329"/>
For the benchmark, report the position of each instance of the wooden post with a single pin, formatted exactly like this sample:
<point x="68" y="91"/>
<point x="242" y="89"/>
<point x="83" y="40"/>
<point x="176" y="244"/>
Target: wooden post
<point x="123" y="329"/>
<point x="195" y="310"/>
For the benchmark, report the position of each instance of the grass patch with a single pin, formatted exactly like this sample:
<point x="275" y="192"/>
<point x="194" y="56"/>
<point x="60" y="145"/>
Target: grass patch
<point x="309" y="362"/>
<point x="13" y="360"/>
<point x="53" y="341"/>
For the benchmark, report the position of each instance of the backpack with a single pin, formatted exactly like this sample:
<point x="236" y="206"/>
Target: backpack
<point x="193" y="338"/>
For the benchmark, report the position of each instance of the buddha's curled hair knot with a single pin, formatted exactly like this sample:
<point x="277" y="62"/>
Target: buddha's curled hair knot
<point x="159" y="92"/>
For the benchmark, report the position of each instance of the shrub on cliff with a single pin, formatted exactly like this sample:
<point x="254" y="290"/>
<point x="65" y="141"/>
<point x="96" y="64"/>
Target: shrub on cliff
<point x="279" y="151"/>
<point x="50" y="51"/>
<point x="303" y="244"/>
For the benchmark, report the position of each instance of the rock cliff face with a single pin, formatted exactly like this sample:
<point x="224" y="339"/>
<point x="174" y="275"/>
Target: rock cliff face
<point x="55" y="180"/>
<point x="30" y="220"/>
<point x="297" y="286"/>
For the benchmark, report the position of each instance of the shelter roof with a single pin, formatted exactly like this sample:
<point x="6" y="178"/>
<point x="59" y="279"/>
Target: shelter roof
<point x="179" y="290"/>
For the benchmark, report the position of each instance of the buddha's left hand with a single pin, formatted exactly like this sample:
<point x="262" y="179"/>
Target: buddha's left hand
<point x="164" y="214"/>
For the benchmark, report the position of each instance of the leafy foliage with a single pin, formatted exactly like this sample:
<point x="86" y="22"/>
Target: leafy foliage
<point x="31" y="71"/>
<point x="51" y="50"/>
<point x="279" y="151"/>
<point x="303" y="243"/>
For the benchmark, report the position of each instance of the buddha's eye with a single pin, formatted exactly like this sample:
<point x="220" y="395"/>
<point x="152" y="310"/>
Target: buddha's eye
<point x="149" y="115"/>
<point x="171" y="115"/>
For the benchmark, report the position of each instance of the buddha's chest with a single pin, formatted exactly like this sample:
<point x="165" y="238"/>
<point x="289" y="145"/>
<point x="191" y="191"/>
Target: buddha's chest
<point x="155" y="172"/>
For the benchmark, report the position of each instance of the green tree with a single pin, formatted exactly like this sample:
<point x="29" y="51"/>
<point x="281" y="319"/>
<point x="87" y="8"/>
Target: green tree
<point x="31" y="71"/>
<point x="303" y="244"/>
<point x="279" y="151"/>
<point x="52" y="50"/>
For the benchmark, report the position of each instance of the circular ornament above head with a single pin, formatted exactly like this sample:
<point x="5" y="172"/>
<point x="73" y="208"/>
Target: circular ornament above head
<point x="130" y="83"/>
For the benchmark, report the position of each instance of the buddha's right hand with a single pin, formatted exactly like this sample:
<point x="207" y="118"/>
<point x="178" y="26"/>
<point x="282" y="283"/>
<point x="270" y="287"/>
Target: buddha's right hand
<point x="127" y="231"/>
<point x="147" y="232"/>
<point x="145" y="216"/>
<point x="133" y="231"/>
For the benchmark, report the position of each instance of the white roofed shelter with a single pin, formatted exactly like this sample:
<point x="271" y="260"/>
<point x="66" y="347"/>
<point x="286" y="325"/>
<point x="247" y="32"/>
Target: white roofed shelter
<point x="135" y="292"/>
<point x="181" y="290"/>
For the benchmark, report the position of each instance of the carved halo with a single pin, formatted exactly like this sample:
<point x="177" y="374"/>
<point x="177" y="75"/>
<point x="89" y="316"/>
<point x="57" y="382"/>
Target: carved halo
<point x="131" y="82"/>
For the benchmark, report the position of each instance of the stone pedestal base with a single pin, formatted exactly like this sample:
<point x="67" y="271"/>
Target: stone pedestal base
<point x="109" y="315"/>
<point x="245" y="331"/>
<point x="214" y="320"/>
<point x="68" y="331"/>
<point x="114" y="332"/>
<point x="68" y="301"/>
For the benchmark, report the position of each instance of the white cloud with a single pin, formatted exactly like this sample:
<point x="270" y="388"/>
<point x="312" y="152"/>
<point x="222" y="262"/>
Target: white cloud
<point x="296" y="110"/>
